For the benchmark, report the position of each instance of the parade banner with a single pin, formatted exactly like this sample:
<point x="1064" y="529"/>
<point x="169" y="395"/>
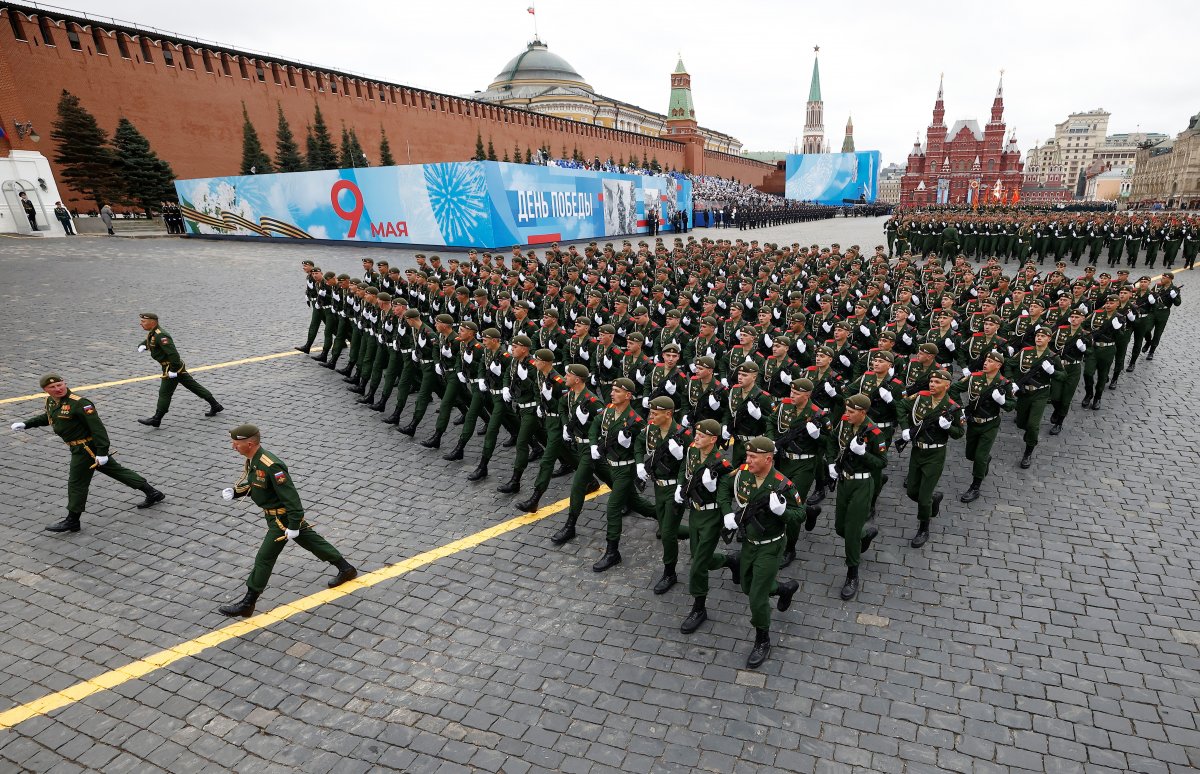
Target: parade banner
<point x="832" y="178"/>
<point x="479" y="204"/>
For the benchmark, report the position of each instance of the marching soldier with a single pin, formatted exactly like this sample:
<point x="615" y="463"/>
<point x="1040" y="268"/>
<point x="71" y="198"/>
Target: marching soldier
<point x="494" y="363"/>
<point x="1104" y="325"/>
<point x="1070" y="341"/>
<point x="269" y="484"/>
<point x="520" y="394"/>
<point x="551" y="388"/>
<point x="747" y="411"/>
<point x="860" y="453"/>
<point x="665" y="442"/>
<point x="161" y="347"/>
<point x="983" y="395"/>
<point x="803" y="442"/>
<point x="929" y="419"/>
<point x="705" y="490"/>
<point x="580" y="409"/>
<point x="314" y="281"/>
<point x="1032" y="370"/>
<point x="1164" y="296"/>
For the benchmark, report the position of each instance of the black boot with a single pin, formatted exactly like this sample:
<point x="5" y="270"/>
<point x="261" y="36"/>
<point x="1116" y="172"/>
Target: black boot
<point x="789" y="555"/>
<point x="368" y="398"/>
<point x="785" y="591"/>
<point x="153" y="421"/>
<point x="761" y="649"/>
<point x="457" y="453"/>
<point x="511" y="442"/>
<point x="380" y="405"/>
<point x="1096" y="404"/>
<point x="214" y="408"/>
<point x="479" y="473"/>
<point x="817" y="496"/>
<point x="850" y="587"/>
<point x="1056" y="428"/>
<point x="592" y="486"/>
<point x="410" y="429"/>
<point x="937" y="504"/>
<point x="561" y="470"/>
<point x="345" y="371"/>
<point x="69" y="524"/>
<point x="1087" y="400"/>
<point x="460" y="420"/>
<point x="331" y="365"/>
<point x="698" y="616"/>
<point x="394" y="417"/>
<point x="359" y="388"/>
<point x="320" y="358"/>
<point x="434" y="441"/>
<point x="303" y="349"/>
<point x="811" y="513"/>
<point x="345" y="573"/>
<point x="667" y="580"/>
<point x="536" y="451"/>
<point x="1027" y="460"/>
<point x="152" y="496"/>
<point x="922" y="535"/>
<point x="1129" y="368"/>
<point x="531" y="505"/>
<point x="610" y="559"/>
<point x="1112" y="385"/>
<point x="566" y="532"/>
<point x="243" y="609"/>
<point x="512" y="486"/>
<point x="734" y="563"/>
<point x="972" y="493"/>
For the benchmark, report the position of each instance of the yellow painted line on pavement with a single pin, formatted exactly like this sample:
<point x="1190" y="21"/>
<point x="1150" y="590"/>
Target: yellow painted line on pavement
<point x="163" y="658"/>
<point x="156" y="377"/>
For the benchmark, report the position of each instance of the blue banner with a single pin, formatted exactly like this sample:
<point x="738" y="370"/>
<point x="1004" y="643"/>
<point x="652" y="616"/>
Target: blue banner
<point x="832" y="178"/>
<point x="479" y="204"/>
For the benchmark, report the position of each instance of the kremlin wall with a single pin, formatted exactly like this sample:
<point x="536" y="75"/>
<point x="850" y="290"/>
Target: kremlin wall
<point x="187" y="98"/>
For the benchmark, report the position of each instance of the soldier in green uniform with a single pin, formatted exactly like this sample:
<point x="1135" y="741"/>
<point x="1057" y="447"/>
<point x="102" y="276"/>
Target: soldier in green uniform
<point x="313" y="280"/>
<point x="705" y="490"/>
<point x="161" y="347"/>
<point x="860" y="452"/>
<point x="451" y="382"/>
<point x="1070" y="341"/>
<point x="470" y="357"/>
<point x="1032" y="369"/>
<point x="1165" y="296"/>
<point x="665" y="442"/>
<point x="1103" y="326"/>
<point x="765" y="503"/>
<point x="269" y="484"/>
<point x="928" y="420"/>
<point x="324" y="304"/>
<point x="551" y="387"/>
<point x="74" y="419"/>
<point x="803" y="442"/>
<point x="983" y="395"/>
<point x="493" y="364"/>
<point x="425" y="346"/>
<point x="343" y="331"/>
<point x="747" y="410"/>
<point x="1129" y="315"/>
<point x="520" y="395"/>
<point x="580" y="409"/>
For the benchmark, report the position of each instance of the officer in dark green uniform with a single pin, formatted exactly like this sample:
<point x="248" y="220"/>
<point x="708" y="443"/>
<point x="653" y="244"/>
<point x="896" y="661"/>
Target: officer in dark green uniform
<point x="520" y="394"/>
<point x="803" y="443"/>
<point x="267" y="480"/>
<point x="928" y="420"/>
<point x="665" y="442"/>
<point x="705" y="490"/>
<point x="861" y="452"/>
<point x="580" y="409"/>
<point x="551" y="387"/>
<point x="161" y="347"/>
<point x="1032" y="369"/>
<point x="313" y="280"/>
<point x="74" y="419"/>
<point x="983" y="395"/>
<point x="747" y="410"/>
<point x="1165" y="296"/>
<point x="1070" y="341"/>
<point x="1104" y="326"/>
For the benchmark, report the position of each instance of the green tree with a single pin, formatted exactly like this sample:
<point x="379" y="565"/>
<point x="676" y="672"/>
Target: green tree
<point x="86" y="162"/>
<point x="528" y="155"/>
<point x="145" y="179"/>
<point x="645" y="164"/>
<point x="516" y="153"/>
<point x="480" y="153"/>
<point x="255" y="160"/>
<point x="287" y="152"/>
<point x="654" y="164"/>
<point x="345" y="155"/>
<point x="505" y="159"/>
<point x="491" y="151"/>
<point x="385" y="150"/>
<point x="321" y="152"/>
<point x="357" y="153"/>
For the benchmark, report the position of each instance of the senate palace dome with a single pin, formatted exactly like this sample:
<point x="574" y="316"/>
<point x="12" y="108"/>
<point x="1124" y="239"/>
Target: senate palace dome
<point x="536" y="64"/>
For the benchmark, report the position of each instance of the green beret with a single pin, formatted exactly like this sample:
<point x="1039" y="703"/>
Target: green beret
<point x="829" y="351"/>
<point x="521" y="340"/>
<point x="244" y="432"/>
<point x="356" y="282"/>
<point x="928" y="349"/>
<point x="412" y="314"/>
<point x="470" y="325"/>
<point x="620" y="300"/>
<point x="544" y="355"/>
<point x="636" y="336"/>
<point x="760" y="444"/>
<point x="883" y="354"/>
<point x="672" y="347"/>
<point x="940" y="373"/>
<point x="859" y="401"/>
<point x="578" y="369"/>
<point x="1042" y="329"/>
<point x="996" y="355"/>
<point x="784" y="340"/>
<point x="399" y="300"/>
<point x="1081" y="313"/>
<point x="341" y="277"/>
<point x="444" y="319"/>
<point x="480" y="293"/>
<point x="889" y="335"/>
<point x="708" y="427"/>
<point x="551" y="313"/>
<point x="624" y="384"/>
<point x="663" y="403"/>
<point x="802" y="384"/>
<point x="384" y="296"/>
<point x="49" y="379"/>
<point x="608" y="329"/>
<point x="330" y="275"/>
<point x="749" y="366"/>
<point x="638" y="311"/>
<point x="749" y="330"/>
<point x="706" y="362"/>
<point x="370" y="290"/>
<point x="491" y="333"/>
<point x="796" y="295"/>
<point x="844" y="325"/>
<point x="674" y="313"/>
<point x="582" y="321"/>
<point x="992" y="318"/>
<point x="149" y="316"/>
<point x="710" y="320"/>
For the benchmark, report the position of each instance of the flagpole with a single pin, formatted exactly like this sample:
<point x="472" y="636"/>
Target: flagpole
<point x="533" y="13"/>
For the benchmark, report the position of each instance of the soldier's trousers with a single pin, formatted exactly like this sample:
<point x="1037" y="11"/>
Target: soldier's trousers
<point x="456" y="394"/>
<point x="623" y="494"/>
<point x="979" y="441"/>
<point x="1099" y="363"/>
<point x="1094" y="248"/>
<point x="397" y="364"/>
<point x="412" y="379"/>
<point x="1160" y="325"/>
<point x="355" y="339"/>
<point x="1170" y="253"/>
<point x="429" y="384"/>
<point x="704" y="532"/>
<point x="378" y="366"/>
<point x="556" y="450"/>
<point x="166" y="388"/>
<point x="474" y="407"/>
<point x="1063" y="387"/>
<point x="331" y="326"/>
<point x="314" y="324"/>
<point x="1190" y="248"/>
<point x="584" y="471"/>
<point x="1132" y="246"/>
<point x="1122" y="350"/>
<point x="268" y="552"/>
<point x="802" y="474"/>
<point x="760" y="566"/>
<point x="853" y="507"/>
<point x="1152" y="253"/>
<point x="924" y="471"/>
<point x="1030" y="407"/>
<point x="885" y="436"/>
<point x="80" y="477"/>
<point x="501" y="415"/>
<point x="669" y="516"/>
<point x="340" y="337"/>
<point x="1115" y="248"/>
<point x="368" y="346"/>
<point x="526" y="420"/>
<point x="1142" y="329"/>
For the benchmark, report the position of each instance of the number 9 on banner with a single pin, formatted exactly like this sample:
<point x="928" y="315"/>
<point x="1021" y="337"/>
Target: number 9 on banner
<point x="351" y="216"/>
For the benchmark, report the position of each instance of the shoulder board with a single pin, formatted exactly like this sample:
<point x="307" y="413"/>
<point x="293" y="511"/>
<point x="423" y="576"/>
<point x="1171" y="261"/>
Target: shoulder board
<point x="264" y="459"/>
<point x="1063" y="326"/>
<point x="952" y="403"/>
<point x="744" y="467"/>
<point x="558" y="379"/>
<point x="925" y="393"/>
<point x="1027" y="349"/>
<point x="874" y="430"/>
<point x="158" y="330"/>
<point x="778" y="476"/>
<point x="977" y="373"/>
<point x="725" y="463"/>
<point x="978" y="334"/>
<point x="787" y="401"/>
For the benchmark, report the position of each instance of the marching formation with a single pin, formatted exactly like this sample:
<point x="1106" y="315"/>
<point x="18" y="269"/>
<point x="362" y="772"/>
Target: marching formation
<point x="744" y="383"/>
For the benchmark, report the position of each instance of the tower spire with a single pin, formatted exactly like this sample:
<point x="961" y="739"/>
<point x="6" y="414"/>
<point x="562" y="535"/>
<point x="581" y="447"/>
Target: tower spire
<point x="814" y="119"/>
<point x="848" y="142"/>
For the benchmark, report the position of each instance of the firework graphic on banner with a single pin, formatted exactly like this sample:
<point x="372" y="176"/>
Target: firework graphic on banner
<point x="459" y="198"/>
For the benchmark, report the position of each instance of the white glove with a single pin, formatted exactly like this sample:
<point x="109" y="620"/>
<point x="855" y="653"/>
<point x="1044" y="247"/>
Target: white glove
<point x="292" y="534"/>
<point x="830" y="391"/>
<point x="801" y="347"/>
<point x="582" y="415"/>
<point x="685" y="421"/>
<point x="1150" y="298"/>
<point x="950" y="345"/>
<point x="227" y="493"/>
<point x="1173" y="294"/>
<point x="482" y="383"/>
<point x="1130" y="316"/>
<point x="1117" y="323"/>
<point x="678" y="495"/>
<point x="864" y="330"/>
<point x="998" y="397"/>
<point x="966" y="372"/>
<point x="422" y="341"/>
<point x="724" y="433"/>
<point x="713" y="403"/>
<point x="566" y="435"/>
<point x="844" y="360"/>
<point x="624" y="439"/>
<point x="675" y="448"/>
<point x="906" y="434"/>
<point x="172" y="374"/>
<point x="101" y="460"/>
<point x="730" y="521"/>
<point x="813" y="431"/>
<point x="833" y="473"/>
<point x="906" y="338"/>
<point x="539" y="412"/>
<point x="858" y="448"/>
<point x="1047" y="366"/>
<point x="141" y="347"/>
<point x="1080" y="345"/>
<point x="506" y="394"/>
<point x="495" y="368"/>
<point x="777" y="504"/>
<point x="641" y="471"/>
<point x="785" y="377"/>
<point x="462" y="376"/>
<point x="641" y="377"/>
<point x="753" y="410"/>
<point x="646" y="402"/>
<point x="944" y="423"/>
<point x="595" y="452"/>
<point x="708" y="480"/>
<point x="724" y="383"/>
<point x="437" y="369"/>
<point x="669" y="388"/>
<point x="886" y="394"/>
<point x="18" y="425"/>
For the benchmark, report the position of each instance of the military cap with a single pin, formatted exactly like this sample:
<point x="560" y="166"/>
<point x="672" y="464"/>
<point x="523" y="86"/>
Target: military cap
<point x="828" y="351"/>
<point x="356" y="282"/>
<point x="1042" y="329"/>
<point x="480" y="293"/>
<point x="544" y="355"/>
<point x="706" y="362"/>
<point x="448" y="283"/>
<point x="760" y="444"/>
<point x="330" y="275"/>
<point x="672" y="347"/>
<point x="597" y="293"/>
<point x="748" y="329"/>
<point x="662" y="403"/>
<point x="343" y="276"/>
<point x="738" y="305"/>
<point x="553" y="282"/>
<point x="49" y="379"/>
<point x="844" y="325"/>
<point x="445" y="319"/>
<point x="859" y="401"/>
<point x="385" y="296"/>
<point x="578" y="369"/>
<point x="802" y="384"/>
<point x="996" y="355"/>
<point x="1119" y="271"/>
<point x="658" y="289"/>
<point x="796" y="295"/>
<point x="149" y="316"/>
<point x="1080" y="312"/>
<point x="636" y="336"/>
<point x="370" y="290"/>
<point x="639" y="311"/>
<point x="470" y="325"/>
<point x="1039" y="301"/>
<point x="749" y="366"/>
<point x="620" y="300"/>
<point x="887" y="335"/>
<point x="940" y="373"/>
<point x="606" y="328"/>
<point x="412" y="314"/>
<point x="674" y="313"/>
<point x="708" y="427"/>
<point x="307" y="262"/>
<point x="708" y="321"/>
<point x="491" y="333"/>
<point x="1143" y="277"/>
<point x="992" y="318"/>
<point x="582" y="321"/>
<point x="521" y="340"/>
<point x="244" y="432"/>
<point x="928" y="349"/>
<point x="624" y="384"/>
<point x="883" y="354"/>
<point x="399" y="300"/>
<point x="394" y="270"/>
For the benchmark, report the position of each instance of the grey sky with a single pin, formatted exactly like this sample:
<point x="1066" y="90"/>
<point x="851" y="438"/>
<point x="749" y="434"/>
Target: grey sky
<point x="751" y="61"/>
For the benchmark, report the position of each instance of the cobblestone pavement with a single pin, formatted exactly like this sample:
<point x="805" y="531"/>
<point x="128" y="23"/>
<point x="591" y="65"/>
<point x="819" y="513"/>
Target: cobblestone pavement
<point x="1051" y="626"/>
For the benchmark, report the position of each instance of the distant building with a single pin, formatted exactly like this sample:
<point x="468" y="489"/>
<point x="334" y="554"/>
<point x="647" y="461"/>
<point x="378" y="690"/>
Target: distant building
<point x="1080" y="141"/>
<point x="1169" y="171"/>
<point x="848" y="142"/>
<point x="1044" y="178"/>
<point x="1108" y="184"/>
<point x="889" y="184"/>
<point x="814" y="113"/>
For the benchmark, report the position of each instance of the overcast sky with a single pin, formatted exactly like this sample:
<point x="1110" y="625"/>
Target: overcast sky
<point x="751" y="61"/>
